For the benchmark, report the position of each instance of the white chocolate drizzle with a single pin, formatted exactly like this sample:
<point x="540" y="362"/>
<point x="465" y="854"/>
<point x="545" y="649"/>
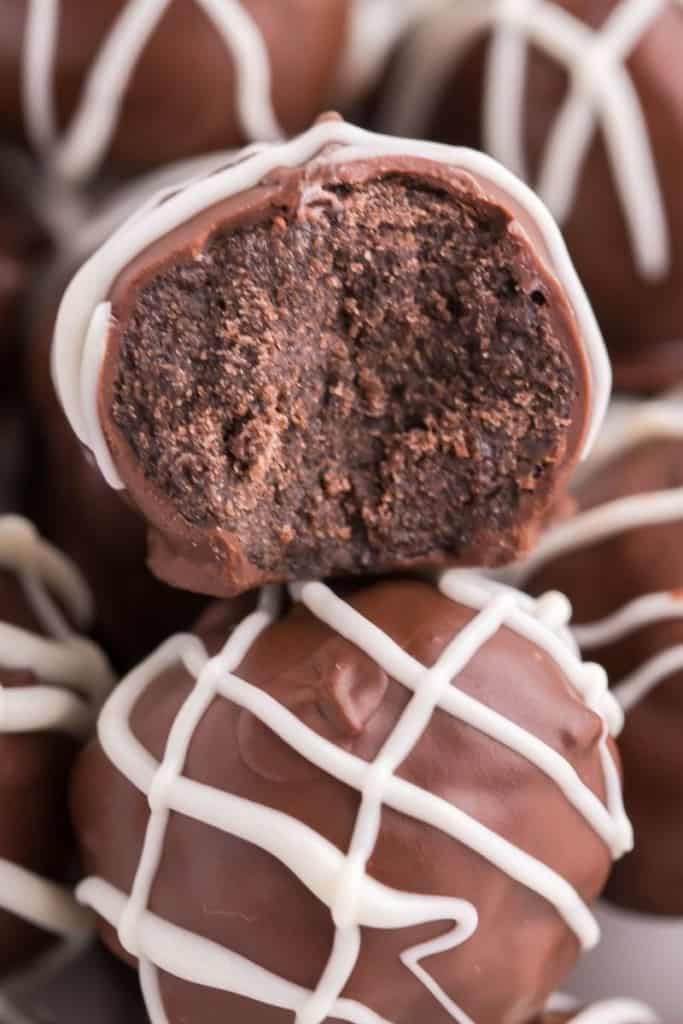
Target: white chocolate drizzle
<point x="85" y="312"/>
<point x="610" y="1011"/>
<point x="660" y="419"/>
<point x="374" y="29"/>
<point x="84" y="144"/>
<point x="74" y="679"/>
<point x="341" y="881"/>
<point x="602" y="97"/>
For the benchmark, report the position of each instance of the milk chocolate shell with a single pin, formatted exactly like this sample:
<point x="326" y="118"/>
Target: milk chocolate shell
<point x="584" y="100"/>
<point x="347" y="354"/>
<point x="52" y="683"/>
<point x="393" y="807"/>
<point x="127" y="85"/>
<point x="620" y="561"/>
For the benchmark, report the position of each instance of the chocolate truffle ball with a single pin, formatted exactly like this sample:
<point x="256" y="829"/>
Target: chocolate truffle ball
<point x="134" y="85"/>
<point x="51" y="685"/>
<point x="620" y="561"/>
<point x="342" y="355"/>
<point x="380" y="808"/>
<point x="584" y="100"/>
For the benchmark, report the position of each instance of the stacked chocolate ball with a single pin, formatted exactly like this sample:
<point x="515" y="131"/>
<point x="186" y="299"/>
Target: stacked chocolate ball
<point x="581" y="100"/>
<point x="305" y="419"/>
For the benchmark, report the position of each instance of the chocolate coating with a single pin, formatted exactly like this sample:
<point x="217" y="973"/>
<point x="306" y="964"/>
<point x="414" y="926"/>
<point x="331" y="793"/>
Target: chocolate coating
<point x="181" y="96"/>
<point x="245" y="900"/>
<point x="641" y="313"/>
<point x="309" y="398"/>
<point x="629" y="565"/>
<point x="34" y="772"/>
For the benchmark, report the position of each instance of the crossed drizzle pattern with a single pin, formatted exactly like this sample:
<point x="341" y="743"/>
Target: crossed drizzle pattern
<point x="75" y="677"/>
<point x="602" y="96"/>
<point x="659" y="419"/>
<point x="79" y="151"/>
<point x="341" y="881"/>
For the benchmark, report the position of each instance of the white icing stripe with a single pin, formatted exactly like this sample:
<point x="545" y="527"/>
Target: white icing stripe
<point x="82" y="322"/>
<point x="49" y="615"/>
<point x="340" y="881"/>
<point x="631" y="421"/>
<point x="38" y="65"/>
<point x="643" y="611"/>
<point x="601" y="523"/>
<point x="73" y="662"/>
<point x="200" y="961"/>
<point x="24" y="552"/>
<point x="601" y="96"/>
<point x="179" y="739"/>
<point x="610" y="1011"/>
<point x="505" y="82"/>
<point x="72" y="679"/>
<point x="254" y="87"/>
<point x="94" y="124"/>
<point x="636" y="687"/>
<point x="375" y="26"/>
<point x="43" y="709"/>
<point x="41" y="902"/>
<point x="617" y="1011"/>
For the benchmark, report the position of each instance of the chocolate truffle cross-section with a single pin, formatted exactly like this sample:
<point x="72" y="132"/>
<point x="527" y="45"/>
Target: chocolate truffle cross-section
<point x="356" y="811"/>
<point x="345" y="354"/>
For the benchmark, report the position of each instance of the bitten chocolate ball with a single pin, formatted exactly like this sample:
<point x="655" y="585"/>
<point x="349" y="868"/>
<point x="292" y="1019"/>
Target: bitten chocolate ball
<point x="131" y="85"/>
<point x="583" y="99"/>
<point x="342" y="355"/>
<point x="620" y="561"/>
<point x="51" y="685"/>
<point x="396" y="807"/>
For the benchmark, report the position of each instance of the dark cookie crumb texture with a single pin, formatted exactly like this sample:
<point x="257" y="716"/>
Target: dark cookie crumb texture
<point x="365" y="382"/>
